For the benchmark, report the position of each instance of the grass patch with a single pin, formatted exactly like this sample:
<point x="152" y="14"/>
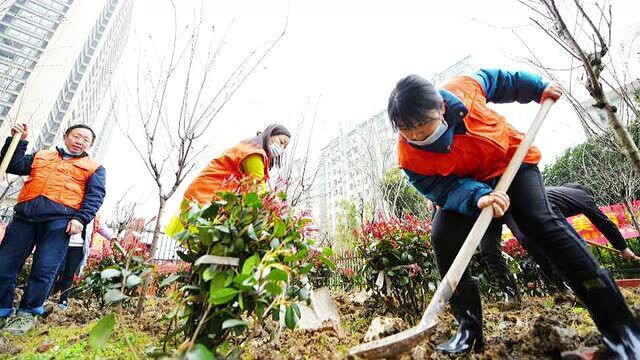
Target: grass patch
<point x="70" y="342"/>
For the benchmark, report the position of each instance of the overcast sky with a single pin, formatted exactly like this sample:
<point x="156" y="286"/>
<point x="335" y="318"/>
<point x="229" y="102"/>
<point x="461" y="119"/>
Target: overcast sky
<point x="343" y="55"/>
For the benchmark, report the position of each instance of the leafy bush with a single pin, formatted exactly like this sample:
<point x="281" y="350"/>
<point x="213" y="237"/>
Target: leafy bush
<point x="399" y="267"/>
<point x="164" y="272"/>
<point x="113" y="276"/>
<point x="216" y="302"/>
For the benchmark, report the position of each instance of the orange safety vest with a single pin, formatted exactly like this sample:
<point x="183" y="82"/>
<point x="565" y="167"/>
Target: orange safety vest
<point x="215" y="176"/>
<point x="61" y="181"/>
<point x="482" y="153"/>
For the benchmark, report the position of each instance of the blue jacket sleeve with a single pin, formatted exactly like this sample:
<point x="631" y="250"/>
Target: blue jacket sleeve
<point x="20" y="163"/>
<point x="450" y="192"/>
<point x="95" y="191"/>
<point x="502" y="86"/>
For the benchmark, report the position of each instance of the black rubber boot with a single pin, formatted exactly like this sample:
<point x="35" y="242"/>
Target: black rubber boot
<point x="503" y="280"/>
<point x="466" y="307"/>
<point x="619" y="328"/>
<point x="510" y="294"/>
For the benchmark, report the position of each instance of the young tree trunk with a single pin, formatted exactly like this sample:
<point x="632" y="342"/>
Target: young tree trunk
<point x="634" y="217"/>
<point x="623" y="138"/>
<point x="152" y="254"/>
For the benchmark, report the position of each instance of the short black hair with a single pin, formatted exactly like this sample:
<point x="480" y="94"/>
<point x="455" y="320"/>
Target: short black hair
<point x="81" y="126"/>
<point x="409" y="102"/>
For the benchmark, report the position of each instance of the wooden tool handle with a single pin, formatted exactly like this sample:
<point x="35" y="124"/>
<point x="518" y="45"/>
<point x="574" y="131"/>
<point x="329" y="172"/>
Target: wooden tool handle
<point x="8" y="155"/>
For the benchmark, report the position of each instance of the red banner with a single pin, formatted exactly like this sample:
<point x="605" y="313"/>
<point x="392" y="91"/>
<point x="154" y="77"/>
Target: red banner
<point x="617" y="213"/>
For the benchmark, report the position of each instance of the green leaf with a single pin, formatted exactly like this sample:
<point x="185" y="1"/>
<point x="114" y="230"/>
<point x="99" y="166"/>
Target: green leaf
<point x="252" y="232"/>
<point x="278" y="275"/>
<point x="222" y="296"/>
<point x="290" y="318"/>
<point x="101" y="333"/>
<point x="325" y="260"/>
<point x="273" y="288"/>
<point x="133" y="280"/>
<point x="240" y="278"/>
<point x="199" y="352"/>
<point x="119" y="247"/>
<point x="279" y="228"/>
<point x="306" y="269"/>
<point x="297" y="310"/>
<point x="208" y="274"/>
<point x="232" y="323"/>
<point x="114" y="295"/>
<point x="275" y="242"/>
<point x="252" y="199"/>
<point x="222" y="228"/>
<point x="109" y="273"/>
<point x="326" y="251"/>
<point x="282" y="195"/>
<point x="250" y="264"/>
<point x="218" y="280"/>
<point x="260" y="309"/>
<point x="211" y="211"/>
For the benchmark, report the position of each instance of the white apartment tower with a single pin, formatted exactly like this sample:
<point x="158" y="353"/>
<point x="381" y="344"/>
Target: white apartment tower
<point x="353" y="164"/>
<point x="57" y="58"/>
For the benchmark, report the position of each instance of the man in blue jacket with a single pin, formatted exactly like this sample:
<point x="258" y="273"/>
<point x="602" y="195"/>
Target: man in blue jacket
<point x="64" y="191"/>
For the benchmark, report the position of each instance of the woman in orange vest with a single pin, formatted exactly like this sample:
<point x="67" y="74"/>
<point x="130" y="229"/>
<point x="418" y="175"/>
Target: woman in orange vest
<point x="453" y="148"/>
<point x="252" y="157"/>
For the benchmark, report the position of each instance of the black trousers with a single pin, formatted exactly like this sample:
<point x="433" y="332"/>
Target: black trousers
<point x="547" y="234"/>
<point x="491" y="252"/>
<point x="67" y="271"/>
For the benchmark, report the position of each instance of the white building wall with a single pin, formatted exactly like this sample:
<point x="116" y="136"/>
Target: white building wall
<point x="39" y="92"/>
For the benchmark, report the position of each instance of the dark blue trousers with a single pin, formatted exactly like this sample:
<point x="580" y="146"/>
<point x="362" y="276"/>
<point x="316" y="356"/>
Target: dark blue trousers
<point x="50" y="241"/>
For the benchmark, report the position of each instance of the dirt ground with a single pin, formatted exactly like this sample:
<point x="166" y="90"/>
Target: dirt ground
<point x="541" y="329"/>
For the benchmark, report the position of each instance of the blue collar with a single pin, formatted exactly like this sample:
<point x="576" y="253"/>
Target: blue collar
<point x="454" y="112"/>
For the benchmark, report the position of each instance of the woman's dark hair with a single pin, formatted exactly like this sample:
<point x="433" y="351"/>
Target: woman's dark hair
<point x="262" y="139"/>
<point x="81" y="126"/>
<point x="410" y="101"/>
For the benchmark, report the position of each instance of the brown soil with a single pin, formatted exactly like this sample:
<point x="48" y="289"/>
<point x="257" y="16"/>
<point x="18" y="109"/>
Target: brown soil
<point x="541" y="329"/>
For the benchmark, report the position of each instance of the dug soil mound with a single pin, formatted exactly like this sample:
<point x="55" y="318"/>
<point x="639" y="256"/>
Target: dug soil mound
<point x="542" y="328"/>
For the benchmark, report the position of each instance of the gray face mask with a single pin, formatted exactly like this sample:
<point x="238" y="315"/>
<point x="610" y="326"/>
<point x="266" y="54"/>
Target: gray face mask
<point x="442" y="128"/>
<point x="276" y="149"/>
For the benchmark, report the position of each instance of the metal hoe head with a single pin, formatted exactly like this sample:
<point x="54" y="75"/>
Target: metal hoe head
<point x="394" y="344"/>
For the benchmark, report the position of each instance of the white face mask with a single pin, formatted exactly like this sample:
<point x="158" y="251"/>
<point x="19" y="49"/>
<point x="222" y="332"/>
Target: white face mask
<point x="276" y="150"/>
<point x="66" y="149"/>
<point x="442" y="128"/>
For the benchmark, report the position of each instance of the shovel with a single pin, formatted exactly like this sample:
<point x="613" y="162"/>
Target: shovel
<point x="8" y="155"/>
<point x="406" y="340"/>
<point x="323" y="312"/>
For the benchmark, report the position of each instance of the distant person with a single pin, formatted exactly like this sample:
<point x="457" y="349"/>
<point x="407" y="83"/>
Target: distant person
<point x="567" y="200"/>
<point x="64" y="191"/>
<point x="77" y="253"/>
<point x="253" y="157"/>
